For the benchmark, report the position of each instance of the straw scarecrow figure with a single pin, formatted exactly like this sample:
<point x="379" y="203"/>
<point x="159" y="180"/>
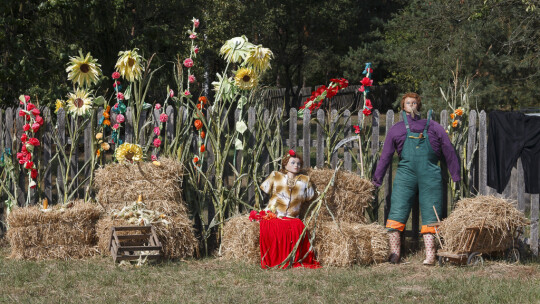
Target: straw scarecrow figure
<point x="420" y="143"/>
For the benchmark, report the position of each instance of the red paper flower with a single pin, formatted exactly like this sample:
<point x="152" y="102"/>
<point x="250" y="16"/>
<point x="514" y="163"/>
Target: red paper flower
<point x="366" y="82"/>
<point x="22" y="113"/>
<point x="163" y="117"/>
<point x="35" y="112"/>
<point x="35" y="127"/>
<point x="39" y="120"/>
<point x="356" y="129"/>
<point x="332" y="92"/>
<point x="188" y="63"/>
<point x="115" y="75"/>
<point x="367" y="112"/>
<point x="26" y="127"/>
<point x="120" y="96"/>
<point x="34" y="173"/>
<point x="157" y="142"/>
<point x="30" y="107"/>
<point x="292" y="153"/>
<point x="24" y="137"/>
<point x="368" y="104"/>
<point x="28" y="165"/>
<point x="33" y="141"/>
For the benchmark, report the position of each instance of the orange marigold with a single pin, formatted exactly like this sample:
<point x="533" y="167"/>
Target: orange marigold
<point x="203" y="99"/>
<point x="195" y="159"/>
<point x="459" y="112"/>
<point x="202" y="149"/>
<point x="98" y="153"/>
<point x="203" y="134"/>
<point x="452" y="115"/>
<point x="455" y="123"/>
<point x="106" y="122"/>
<point x="198" y="124"/>
<point x="200" y="106"/>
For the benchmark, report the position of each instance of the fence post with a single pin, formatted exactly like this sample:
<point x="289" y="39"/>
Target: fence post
<point x="88" y="134"/>
<point x="155" y="116"/>
<point x="169" y="127"/>
<point x="482" y="153"/>
<point x="347" y="161"/>
<point x="444" y="171"/>
<point x="21" y="184"/>
<point x="9" y="139"/>
<point x="47" y="154"/>
<point x="333" y="123"/>
<point x="75" y="156"/>
<point x="2" y="146"/>
<point x="61" y="123"/>
<point x="471" y="145"/>
<point x="374" y="151"/>
<point x="320" y="139"/>
<point x="520" y="188"/>
<point x="293" y="125"/>
<point x="251" y="143"/>
<point x="534" y="223"/>
<point x="388" y="175"/>
<point x="265" y="155"/>
<point x="306" y="140"/>
<point x="129" y="126"/>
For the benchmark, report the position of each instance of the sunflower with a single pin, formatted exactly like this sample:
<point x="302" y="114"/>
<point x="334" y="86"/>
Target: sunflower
<point x="129" y="152"/>
<point x="259" y="58"/>
<point x="245" y="79"/>
<point x="236" y="49"/>
<point x="129" y="65"/>
<point x="59" y="104"/>
<point x="83" y="70"/>
<point x="79" y="103"/>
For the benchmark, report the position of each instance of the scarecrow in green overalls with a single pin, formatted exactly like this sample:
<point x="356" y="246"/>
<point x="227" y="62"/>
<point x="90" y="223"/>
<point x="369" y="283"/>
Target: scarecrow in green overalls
<point x="420" y="143"/>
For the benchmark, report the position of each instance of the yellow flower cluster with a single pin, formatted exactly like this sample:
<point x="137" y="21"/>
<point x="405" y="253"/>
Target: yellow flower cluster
<point x="128" y="152"/>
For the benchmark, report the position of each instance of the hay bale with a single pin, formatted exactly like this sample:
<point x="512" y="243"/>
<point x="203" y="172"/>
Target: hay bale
<point x="160" y="186"/>
<point x="241" y="240"/>
<point x="347" y="199"/>
<point x="498" y="216"/>
<point x="57" y="234"/>
<point x="177" y="238"/>
<point x="350" y="244"/>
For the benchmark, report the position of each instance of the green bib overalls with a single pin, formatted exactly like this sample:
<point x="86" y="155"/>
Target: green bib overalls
<point x="418" y="169"/>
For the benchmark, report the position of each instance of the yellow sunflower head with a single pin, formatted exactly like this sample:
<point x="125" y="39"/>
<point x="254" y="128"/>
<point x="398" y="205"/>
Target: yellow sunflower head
<point x="259" y="58"/>
<point x="79" y="103"/>
<point x="129" y="65"/>
<point x="245" y="79"/>
<point x="83" y="70"/>
<point x="59" y="104"/>
<point x="236" y="49"/>
<point x="128" y="152"/>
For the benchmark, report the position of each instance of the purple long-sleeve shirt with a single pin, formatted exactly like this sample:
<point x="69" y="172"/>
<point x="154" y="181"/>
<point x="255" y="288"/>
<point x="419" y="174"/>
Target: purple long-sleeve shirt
<point x="439" y="140"/>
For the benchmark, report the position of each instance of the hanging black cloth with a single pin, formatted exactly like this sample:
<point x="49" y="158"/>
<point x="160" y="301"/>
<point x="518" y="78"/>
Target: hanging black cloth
<point x="512" y="135"/>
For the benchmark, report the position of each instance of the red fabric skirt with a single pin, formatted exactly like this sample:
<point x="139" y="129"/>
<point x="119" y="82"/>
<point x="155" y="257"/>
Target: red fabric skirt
<point x="278" y="238"/>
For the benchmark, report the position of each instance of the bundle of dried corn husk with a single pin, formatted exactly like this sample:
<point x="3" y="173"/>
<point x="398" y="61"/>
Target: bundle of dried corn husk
<point x="498" y="218"/>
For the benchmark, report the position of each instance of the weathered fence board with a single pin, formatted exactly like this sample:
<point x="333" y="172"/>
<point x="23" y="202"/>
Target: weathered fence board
<point x="320" y="139"/>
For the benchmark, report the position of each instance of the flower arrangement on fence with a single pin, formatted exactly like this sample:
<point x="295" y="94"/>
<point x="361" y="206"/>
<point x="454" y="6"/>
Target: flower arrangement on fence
<point x="29" y="142"/>
<point x="365" y="158"/>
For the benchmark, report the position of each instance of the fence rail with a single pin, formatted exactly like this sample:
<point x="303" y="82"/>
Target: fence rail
<point x="301" y="134"/>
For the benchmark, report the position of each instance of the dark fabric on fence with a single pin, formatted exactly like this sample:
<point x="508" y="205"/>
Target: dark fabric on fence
<point x="512" y="135"/>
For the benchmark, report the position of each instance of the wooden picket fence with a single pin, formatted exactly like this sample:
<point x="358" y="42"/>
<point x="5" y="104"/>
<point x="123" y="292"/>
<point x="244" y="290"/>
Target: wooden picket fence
<point x="297" y="138"/>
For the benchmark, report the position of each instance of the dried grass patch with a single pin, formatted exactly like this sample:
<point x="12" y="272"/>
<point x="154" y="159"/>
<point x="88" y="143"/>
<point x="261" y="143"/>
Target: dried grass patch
<point x="498" y="218"/>
<point x="56" y="234"/>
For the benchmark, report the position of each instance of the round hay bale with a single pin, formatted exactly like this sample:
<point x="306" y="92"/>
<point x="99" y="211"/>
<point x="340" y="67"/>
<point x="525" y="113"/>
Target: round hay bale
<point x="56" y="234"/>
<point x="160" y="186"/>
<point x="347" y="199"/>
<point x="498" y="218"/>
<point x="351" y="243"/>
<point x="177" y="238"/>
<point x="241" y="240"/>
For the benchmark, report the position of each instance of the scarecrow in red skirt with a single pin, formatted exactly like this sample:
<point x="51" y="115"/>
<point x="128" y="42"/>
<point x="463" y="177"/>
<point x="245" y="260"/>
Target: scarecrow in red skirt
<point x="280" y="226"/>
<point x="421" y="144"/>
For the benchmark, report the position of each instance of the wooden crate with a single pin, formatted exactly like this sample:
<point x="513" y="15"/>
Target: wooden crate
<point x="134" y="246"/>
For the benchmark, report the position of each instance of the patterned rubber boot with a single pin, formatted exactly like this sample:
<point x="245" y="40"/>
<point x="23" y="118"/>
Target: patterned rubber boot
<point x="395" y="247"/>
<point x="429" y="241"/>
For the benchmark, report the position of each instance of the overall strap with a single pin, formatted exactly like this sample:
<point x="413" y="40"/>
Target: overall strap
<point x="405" y="121"/>
<point x="428" y="120"/>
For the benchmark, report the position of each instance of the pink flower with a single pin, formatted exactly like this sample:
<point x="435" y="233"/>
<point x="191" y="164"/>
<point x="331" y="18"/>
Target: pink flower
<point x="188" y="62"/>
<point x="187" y="93"/>
<point x="115" y="106"/>
<point x="116" y="126"/>
<point x="35" y="127"/>
<point x="157" y="131"/>
<point x="191" y="79"/>
<point x="157" y="142"/>
<point x="21" y="113"/>
<point x="26" y="127"/>
<point x="366" y="112"/>
<point x="193" y="36"/>
<point x="362" y="89"/>
<point x="366" y="82"/>
<point x="368" y="104"/>
<point x="157" y="106"/>
<point x="171" y="93"/>
<point x="27" y="98"/>
<point x="196" y="50"/>
<point x="30" y="107"/>
<point x="120" y="118"/>
<point x="153" y="157"/>
<point x="115" y="75"/>
<point x="116" y="83"/>
<point x="356" y="129"/>
<point x="196" y="22"/>
<point x="28" y="165"/>
<point x="33" y="141"/>
<point x="35" y="112"/>
<point x="163" y="117"/>
<point x="39" y="120"/>
<point x="24" y="137"/>
<point x="120" y="96"/>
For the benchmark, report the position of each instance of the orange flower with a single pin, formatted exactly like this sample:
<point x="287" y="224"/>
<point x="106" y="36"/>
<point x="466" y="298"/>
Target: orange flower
<point x="200" y="106"/>
<point x="203" y="135"/>
<point x="459" y="112"/>
<point x="108" y="109"/>
<point x="98" y="153"/>
<point x="203" y="100"/>
<point x="195" y="159"/>
<point x="106" y="122"/>
<point x="452" y="115"/>
<point x="106" y="115"/>
<point x="454" y="123"/>
<point x="197" y="124"/>
<point x="202" y="149"/>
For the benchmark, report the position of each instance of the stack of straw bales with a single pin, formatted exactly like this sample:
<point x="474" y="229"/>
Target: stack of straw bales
<point x="56" y="234"/>
<point x="120" y="185"/>
<point x="346" y="241"/>
<point x="498" y="218"/>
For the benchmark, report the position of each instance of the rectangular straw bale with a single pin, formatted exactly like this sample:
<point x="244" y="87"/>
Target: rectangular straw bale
<point x="241" y="240"/>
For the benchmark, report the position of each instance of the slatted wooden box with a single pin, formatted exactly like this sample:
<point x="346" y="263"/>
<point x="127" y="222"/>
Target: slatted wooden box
<point x="135" y="242"/>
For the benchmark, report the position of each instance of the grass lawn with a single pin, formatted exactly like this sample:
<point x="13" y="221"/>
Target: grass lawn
<point x="98" y="280"/>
